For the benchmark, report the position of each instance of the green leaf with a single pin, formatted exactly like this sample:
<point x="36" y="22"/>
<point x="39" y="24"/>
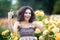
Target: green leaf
<point x="51" y="33"/>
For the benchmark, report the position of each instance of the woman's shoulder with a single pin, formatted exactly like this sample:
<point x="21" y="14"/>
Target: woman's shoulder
<point x="34" y="22"/>
<point x="16" y="23"/>
<point x="37" y="23"/>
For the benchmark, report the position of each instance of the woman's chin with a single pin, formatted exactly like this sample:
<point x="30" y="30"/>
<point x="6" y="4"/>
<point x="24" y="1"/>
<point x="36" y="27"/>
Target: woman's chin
<point x="26" y="19"/>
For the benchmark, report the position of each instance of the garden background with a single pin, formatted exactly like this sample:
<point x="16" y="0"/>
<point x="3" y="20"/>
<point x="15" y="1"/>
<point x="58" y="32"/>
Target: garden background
<point x="47" y="14"/>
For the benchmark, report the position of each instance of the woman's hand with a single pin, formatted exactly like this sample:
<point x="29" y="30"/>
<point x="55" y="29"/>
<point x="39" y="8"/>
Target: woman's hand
<point x="10" y="14"/>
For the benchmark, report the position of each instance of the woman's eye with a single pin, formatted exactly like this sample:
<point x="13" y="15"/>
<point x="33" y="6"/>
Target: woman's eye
<point x="29" y="13"/>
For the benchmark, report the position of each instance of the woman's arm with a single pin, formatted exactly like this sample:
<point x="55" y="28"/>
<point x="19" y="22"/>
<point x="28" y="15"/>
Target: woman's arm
<point x="15" y="27"/>
<point x="39" y="25"/>
<point x="10" y="24"/>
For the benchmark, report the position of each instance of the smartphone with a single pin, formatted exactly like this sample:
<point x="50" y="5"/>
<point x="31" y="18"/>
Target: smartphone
<point x="12" y="11"/>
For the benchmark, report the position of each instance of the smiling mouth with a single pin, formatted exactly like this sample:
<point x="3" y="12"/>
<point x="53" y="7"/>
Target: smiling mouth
<point x="27" y="17"/>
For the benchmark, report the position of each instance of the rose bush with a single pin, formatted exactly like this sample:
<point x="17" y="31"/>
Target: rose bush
<point x="51" y="26"/>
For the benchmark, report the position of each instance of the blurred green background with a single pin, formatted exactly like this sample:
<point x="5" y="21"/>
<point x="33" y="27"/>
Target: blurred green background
<point x="48" y="6"/>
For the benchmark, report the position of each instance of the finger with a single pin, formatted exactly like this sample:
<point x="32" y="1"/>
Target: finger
<point x="11" y="10"/>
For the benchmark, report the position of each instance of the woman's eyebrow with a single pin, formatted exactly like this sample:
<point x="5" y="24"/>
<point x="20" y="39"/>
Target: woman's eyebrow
<point x="25" y="12"/>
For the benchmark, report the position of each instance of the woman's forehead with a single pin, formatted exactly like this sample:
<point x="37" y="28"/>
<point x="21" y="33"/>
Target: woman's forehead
<point x="28" y="10"/>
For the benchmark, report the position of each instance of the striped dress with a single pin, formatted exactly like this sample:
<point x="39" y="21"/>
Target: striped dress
<point x="27" y="34"/>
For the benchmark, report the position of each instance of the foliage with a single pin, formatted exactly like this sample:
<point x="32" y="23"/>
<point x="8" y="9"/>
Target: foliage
<point x="46" y="5"/>
<point x="40" y="15"/>
<point x="56" y="7"/>
<point x="52" y="28"/>
<point x="14" y="36"/>
<point x="4" y="34"/>
<point x="4" y="7"/>
<point x="51" y="25"/>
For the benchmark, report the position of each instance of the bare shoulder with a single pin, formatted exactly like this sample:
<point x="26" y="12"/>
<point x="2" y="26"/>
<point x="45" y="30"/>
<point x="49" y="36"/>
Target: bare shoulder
<point x="16" y="23"/>
<point x="37" y="24"/>
<point x="34" y="22"/>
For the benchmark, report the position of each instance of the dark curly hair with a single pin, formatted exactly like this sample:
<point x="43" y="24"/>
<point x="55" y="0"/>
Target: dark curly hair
<point x="21" y="12"/>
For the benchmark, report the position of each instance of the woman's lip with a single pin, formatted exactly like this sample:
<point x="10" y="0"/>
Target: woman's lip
<point x="26" y="17"/>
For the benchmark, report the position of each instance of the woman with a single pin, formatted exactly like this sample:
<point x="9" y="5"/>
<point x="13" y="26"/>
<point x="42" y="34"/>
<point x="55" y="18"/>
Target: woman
<point x="25" y="24"/>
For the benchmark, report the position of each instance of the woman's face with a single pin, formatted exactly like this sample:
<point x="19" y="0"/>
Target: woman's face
<point x="27" y="14"/>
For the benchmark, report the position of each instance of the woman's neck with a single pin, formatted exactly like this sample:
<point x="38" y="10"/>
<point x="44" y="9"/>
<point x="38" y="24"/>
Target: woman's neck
<point x="26" y="21"/>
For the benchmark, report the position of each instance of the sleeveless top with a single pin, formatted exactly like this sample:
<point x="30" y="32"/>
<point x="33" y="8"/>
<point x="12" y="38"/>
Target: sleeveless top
<point x="26" y="31"/>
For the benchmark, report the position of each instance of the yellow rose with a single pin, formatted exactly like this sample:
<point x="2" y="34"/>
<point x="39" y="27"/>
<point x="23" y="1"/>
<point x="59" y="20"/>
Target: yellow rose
<point x="39" y="13"/>
<point x="51" y="26"/>
<point x="41" y="38"/>
<point x="50" y="22"/>
<point x="5" y="32"/>
<point x="37" y="30"/>
<point x="15" y="34"/>
<point x="57" y="36"/>
<point x="55" y="30"/>
<point x="16" y="38"/>
<point x="46" y="21"/>
<point x="58" y="24"/>
<point x="45" y="32"/>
